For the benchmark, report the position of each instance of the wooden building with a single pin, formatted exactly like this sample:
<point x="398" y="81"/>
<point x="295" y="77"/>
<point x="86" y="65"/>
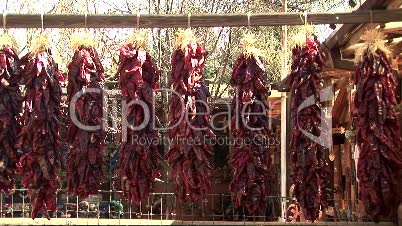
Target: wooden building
<point x="340" y="47"/>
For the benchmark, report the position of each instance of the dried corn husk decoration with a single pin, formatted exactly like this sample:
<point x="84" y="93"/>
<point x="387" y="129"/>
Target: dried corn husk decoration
<point x="185" y="37"/>
<point x="249" y="47"/>
<point x="138" y="40"/>
<point x="7" y="40"/>
<point x="40" y="43"/>
<point x="300" y="38"/>
<point x="373" y="41"/>
<point x="85" y="40"/>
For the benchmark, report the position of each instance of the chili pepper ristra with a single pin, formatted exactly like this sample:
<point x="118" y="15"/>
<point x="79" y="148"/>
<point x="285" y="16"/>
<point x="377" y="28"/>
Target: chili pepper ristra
<point x="10" y="107"/>
<point x="85" y="156"/>
<point x="40" y="136"/>
<point x="377" y="126"/>
<point x="189" y="120"/>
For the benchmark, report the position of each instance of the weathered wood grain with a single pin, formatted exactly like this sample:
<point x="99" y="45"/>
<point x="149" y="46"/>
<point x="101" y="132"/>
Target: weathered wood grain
<point x="199" y="20"/>
<point x="347" y="34"/>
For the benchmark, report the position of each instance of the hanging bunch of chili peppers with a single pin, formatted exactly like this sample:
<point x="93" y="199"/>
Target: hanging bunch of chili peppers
<point x="139" y="156"/>
<point x="40" y="138"/>
<point x="85" y="158"/>
<point x="250" y="157"/>
<point x="189" y="152"/>
<point x="377" y="127"/>
<point x="308" y="156"/>
<point x="10" y="108"/>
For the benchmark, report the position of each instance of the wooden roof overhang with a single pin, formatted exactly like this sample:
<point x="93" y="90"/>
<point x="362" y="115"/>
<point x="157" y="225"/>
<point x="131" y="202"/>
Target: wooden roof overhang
<point x="341" y="44"/>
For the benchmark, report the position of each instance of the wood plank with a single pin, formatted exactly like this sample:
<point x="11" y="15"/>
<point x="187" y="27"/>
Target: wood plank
<point x="340" y="62"/>
<point x="357" y="33"/>
<point x="341" y="34"/>
<point x="393" y="27"/>
<point x="198" y="20"/>
<point x="339" y="103"/>
<point x="340" y="37"/>
<point x="284" y="85"/>
<point x="335" y="73"/>
<point x="354" y="36"/>
<point x="94" y="221"/>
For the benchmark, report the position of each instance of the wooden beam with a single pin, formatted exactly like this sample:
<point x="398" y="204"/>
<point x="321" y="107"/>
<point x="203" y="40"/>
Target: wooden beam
<point x="347" y="34"/>
<point x="329" y="61"/>
<point x="340" y="62"/>
<point x="284" y="85"/>
<point x="393" y="27"/>
<point x="198" y="20"/>
<point x="355" y="35"/>
<point x="344" y="64"/>
<point x="336" y="73"/>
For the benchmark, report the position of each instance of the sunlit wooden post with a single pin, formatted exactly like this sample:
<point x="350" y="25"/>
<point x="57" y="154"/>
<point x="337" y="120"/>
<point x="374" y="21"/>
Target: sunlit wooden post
<point x="283" y="115"/>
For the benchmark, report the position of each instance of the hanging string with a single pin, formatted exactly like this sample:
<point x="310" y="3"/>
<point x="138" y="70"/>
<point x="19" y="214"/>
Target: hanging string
<point x="248" y="21"/>
<point x="301" y="17"/>
<point x="138" y="20"/>
<point x="82" y="39"/>
<point x="371" y="19"/>
<point x="249" y="41"/>
<point x="85" y="21"/>
<point x="4" y="22"/>
<point x="41" y="20"/>
<point x="301" y="37"/>
<point x="305" y="18"/>
<point x="86" y="16"/>
<point x="41" y="42"/>
<point x="188" y="20"/>
<point x="306" y="24"/>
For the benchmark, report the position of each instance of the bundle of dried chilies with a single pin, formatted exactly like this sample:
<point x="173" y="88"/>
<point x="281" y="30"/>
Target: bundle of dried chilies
<point x="377" y="126"/>
<point x="39" y="138"/>
<point x="85" y="100"/>
<point x="250" y="157"/>
<point x="139" y="156"/>
<point x="189" y="123"/>
<point x="308" y="156"/>
<point x="10" y="108"/>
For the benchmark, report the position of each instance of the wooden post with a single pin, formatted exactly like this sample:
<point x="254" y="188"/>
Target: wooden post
<point x="283" y="116"/>
<point x="348" y="159"/>
<point x="337" y="175"/>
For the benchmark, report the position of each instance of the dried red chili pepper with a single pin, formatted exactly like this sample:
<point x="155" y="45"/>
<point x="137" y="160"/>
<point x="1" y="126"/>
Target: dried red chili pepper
<point x="39" y="138"/>
<point x="188" y="117"/>
<point x="250" y="159"/>
<point x="139" y="157"/>
<point x="309" y="166"/>
<point x="85" y="162"/>
<point x="377" y="134"/>
<point x="9" y="116"/>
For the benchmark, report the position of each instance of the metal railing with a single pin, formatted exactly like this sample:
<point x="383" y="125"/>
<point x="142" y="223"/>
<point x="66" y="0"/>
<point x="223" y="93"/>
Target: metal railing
<point x="110" y="204"/>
